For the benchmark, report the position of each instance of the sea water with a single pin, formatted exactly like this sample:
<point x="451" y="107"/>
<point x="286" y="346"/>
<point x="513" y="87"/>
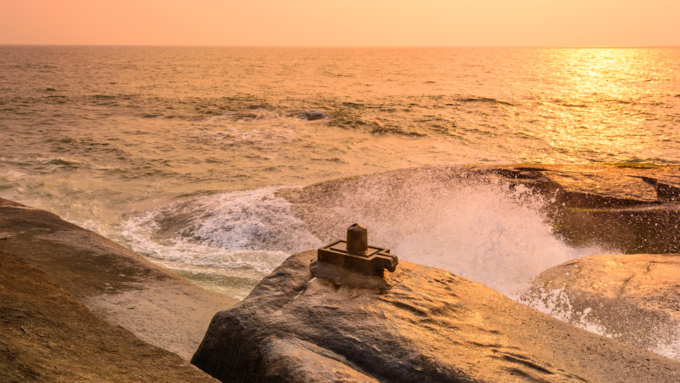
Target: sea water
<point x="178" y="152"/>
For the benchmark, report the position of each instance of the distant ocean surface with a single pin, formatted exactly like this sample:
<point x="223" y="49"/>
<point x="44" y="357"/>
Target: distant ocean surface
<point x="129" y="140"/>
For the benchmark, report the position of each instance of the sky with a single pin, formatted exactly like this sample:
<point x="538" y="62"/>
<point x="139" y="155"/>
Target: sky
<point x="342" y="22"/>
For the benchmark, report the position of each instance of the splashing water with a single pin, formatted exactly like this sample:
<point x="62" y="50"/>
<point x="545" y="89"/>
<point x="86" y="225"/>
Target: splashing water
<point x="494" y="235"/>
<point x="485" y="232"/>
<point x="224" y="242"/>
<point x="656" y="332"/>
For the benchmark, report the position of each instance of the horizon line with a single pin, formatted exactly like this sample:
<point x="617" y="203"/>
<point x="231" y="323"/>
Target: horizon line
<point x="346" y="46"/>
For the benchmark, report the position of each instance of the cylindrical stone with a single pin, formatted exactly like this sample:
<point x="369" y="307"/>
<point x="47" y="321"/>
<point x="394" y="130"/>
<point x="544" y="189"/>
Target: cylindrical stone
<point x="357" y="239"/>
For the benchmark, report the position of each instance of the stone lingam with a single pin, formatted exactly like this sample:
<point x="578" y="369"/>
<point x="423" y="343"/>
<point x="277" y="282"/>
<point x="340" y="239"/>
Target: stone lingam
<point x="355" y="254"/>
<point x="354" y="262"/>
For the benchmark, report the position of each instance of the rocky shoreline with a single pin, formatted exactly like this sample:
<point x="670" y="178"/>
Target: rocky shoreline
<point x="431" y="326"/>
<point x="75" y="306"/>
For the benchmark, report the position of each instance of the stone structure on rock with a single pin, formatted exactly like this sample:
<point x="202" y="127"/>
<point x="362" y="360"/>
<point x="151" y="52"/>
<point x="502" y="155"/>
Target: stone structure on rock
<point x="356" y="255"/>
<point x="429" y="326"/>
<point x="357" y="239"/>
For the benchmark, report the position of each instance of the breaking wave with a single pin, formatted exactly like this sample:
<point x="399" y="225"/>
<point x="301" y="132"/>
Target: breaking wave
<point x="488" y="233"/>
<point x="225" y="242"/>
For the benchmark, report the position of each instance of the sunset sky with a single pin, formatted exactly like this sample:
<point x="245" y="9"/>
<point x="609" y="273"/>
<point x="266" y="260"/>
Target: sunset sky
<point x="342" y="23"/>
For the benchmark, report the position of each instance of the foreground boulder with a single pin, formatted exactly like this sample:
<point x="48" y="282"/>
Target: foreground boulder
<point x="634" y="298"/>
<point x="47" y="335"/>
<point x="120" y="286"/>
<point x="425" y="325"/>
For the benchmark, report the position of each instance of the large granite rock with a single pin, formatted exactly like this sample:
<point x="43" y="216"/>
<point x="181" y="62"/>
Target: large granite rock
<point x="628" y="208"/>
<point x="424" y="325"/>
<point x="633" y="298"/>
<point x="47" y="335"/>
<point x="120" y="286"/>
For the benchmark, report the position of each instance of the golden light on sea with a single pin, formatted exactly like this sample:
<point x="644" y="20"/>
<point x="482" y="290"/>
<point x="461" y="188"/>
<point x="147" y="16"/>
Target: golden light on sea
<point x="599" y="101"/>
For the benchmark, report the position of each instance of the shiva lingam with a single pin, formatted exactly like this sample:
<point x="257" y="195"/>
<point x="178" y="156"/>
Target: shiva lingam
<point x="355" y="254"/>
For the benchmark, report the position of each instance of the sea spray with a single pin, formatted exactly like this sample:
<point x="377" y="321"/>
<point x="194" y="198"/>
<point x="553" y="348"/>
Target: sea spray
<point x="485" y="231"/>
<point x="613" y="318"/>
<point x="226" y="242"/>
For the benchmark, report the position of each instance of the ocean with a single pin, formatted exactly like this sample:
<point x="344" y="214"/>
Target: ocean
<point x="178" y="152"/>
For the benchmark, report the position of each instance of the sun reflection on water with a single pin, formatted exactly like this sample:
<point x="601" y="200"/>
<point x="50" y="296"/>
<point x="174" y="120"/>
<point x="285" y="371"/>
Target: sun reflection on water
<point x="600" y="111"/>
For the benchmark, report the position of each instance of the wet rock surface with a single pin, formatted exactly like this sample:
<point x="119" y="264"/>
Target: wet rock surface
<point x="75" y="306"/>
<point x="627" y="208"/>
<point x="634" y="298"/>
<point x="431" y="326"/>
<point x="47" y="335"/>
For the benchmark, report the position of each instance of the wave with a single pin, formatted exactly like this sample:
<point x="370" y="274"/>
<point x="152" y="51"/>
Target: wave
<point x="59" y="161"/>
<point x="245" y="220"/>
<point x="235" y="236"/>
<point x="484" y="232"/>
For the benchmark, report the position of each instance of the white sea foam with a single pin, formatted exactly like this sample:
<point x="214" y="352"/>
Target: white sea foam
<point x="235" y="136"/>
<point x="267" y="130"/>
<point x="486" y="233"/>
<point x="651" y="333"/>
<point x="243" y="234"/>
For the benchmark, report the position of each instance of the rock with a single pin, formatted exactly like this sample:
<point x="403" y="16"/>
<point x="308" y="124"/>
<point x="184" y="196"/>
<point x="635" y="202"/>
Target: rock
<point x="341" y="276"/>
<point x="632" y="298"/>
<point x="46" y="334"/>
<point x="122" y="287"/>
<point x="431" y="326"/>
<point x="629" y="208"/>
<point x="312" y="115"/>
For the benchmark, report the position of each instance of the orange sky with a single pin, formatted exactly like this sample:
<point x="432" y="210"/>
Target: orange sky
<point x="342" y="22"/>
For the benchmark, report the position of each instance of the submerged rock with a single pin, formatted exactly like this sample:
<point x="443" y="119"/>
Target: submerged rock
<point x="632" y="298"/>
<point x="312" y="115"/>
<point x="430" y="326"/>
